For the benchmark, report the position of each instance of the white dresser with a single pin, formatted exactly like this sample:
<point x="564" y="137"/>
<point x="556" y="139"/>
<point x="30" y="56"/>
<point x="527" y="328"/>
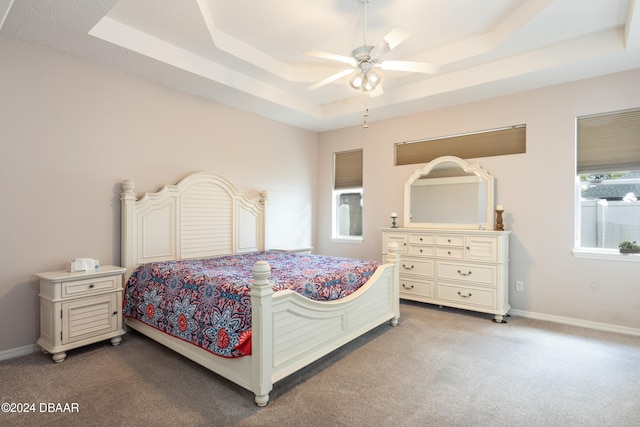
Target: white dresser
<point x="456" y="268"/>
<point x="80" y="308"/>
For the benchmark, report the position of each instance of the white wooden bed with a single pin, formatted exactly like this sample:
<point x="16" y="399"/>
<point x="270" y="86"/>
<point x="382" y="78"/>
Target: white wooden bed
<point x="204" y="216"/>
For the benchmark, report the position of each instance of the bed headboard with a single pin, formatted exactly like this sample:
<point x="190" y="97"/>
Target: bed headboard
<point x="203" y="215"/>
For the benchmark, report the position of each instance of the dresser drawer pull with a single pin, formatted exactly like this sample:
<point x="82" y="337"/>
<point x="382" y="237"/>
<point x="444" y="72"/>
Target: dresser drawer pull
<point x="91" y="286"/>
<point x="464" y="296"/>
<point x="407" y="287"/>
<point x="464" y="274"/>
<point x="449" y="240"/>
<point x="407" y="268"/>
<point x="449" y="252"/>
<point x="115" y="313"/>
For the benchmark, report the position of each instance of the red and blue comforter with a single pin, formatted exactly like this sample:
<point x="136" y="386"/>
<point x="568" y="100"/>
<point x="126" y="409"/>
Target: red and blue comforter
<point x="206" y="302"/>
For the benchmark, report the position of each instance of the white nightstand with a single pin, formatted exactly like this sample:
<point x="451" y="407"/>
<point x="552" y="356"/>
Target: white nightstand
<point x="77" y="309"/>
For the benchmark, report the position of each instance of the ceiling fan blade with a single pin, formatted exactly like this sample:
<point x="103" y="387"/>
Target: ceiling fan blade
<point x="330" y="56"/>
<point x="395" y="37"/>
<point x="390" y="41"/>
<point x="414" y="67"/>
<point x="330" y="79"/>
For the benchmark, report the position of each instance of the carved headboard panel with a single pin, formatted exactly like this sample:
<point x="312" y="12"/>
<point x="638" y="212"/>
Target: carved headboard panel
<point x="201" y="216"/>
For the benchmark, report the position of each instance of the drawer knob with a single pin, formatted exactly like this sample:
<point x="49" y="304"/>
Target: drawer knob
<point x="407" y="268"/>
<point x="464" y="296"/>
<point x="420" y="250"/>
<point x="449" y="240"/>
<point x="115" y="313"/>
<point x="407" y="287"/>
<point x="464" y="274"/>
<point x="449" y="252"/>
<point x="91" y="286"/>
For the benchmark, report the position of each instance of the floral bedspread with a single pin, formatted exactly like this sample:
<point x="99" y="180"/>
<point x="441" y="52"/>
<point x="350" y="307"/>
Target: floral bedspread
<point x="206" y="302"/>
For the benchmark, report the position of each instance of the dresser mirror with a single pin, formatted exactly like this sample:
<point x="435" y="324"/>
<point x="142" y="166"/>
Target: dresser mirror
<point x="449" y="193"/>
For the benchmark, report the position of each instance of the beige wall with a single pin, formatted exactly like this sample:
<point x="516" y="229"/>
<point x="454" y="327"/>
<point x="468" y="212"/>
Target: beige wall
<point x="536" y="189"/>
<point x="71" y="131"/>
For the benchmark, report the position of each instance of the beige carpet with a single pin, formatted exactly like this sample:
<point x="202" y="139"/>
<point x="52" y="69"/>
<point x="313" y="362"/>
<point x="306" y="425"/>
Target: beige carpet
<point x="439" y="367"/>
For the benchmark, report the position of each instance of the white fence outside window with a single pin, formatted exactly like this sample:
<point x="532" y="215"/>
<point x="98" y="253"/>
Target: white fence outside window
<point x="604" y="224"/>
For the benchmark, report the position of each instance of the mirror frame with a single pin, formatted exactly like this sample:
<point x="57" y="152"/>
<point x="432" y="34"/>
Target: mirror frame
<point x="468" y="168"/>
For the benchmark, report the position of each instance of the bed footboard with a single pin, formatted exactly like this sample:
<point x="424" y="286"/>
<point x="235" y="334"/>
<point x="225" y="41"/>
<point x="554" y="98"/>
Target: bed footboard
<point x="290" y="331"/>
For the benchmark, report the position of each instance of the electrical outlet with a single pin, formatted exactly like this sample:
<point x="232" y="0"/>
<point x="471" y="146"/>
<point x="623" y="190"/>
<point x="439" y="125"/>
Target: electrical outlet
<point x="519" y="285"/>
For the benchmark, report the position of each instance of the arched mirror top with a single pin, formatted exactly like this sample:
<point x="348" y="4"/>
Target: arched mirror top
<point x="449" y="193"/>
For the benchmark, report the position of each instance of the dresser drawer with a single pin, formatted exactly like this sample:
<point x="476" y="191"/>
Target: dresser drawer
<point x="413" y="287"/>
<point x="400" y="239"/>
<point x="450" y="252"/>
<point x="422" y="239"/>
<point x="449" y="240"/>
<point x="484" y="274"/>
<point x="470" y="296"/>
<point x="89" y="286"/>
<point x="482" y="248"/>
<point x="422" y="250"/>
<point x="414" y="267"/>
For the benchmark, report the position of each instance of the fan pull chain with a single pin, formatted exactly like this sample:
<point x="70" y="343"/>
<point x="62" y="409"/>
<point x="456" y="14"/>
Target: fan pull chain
<point x="366" y="114"/>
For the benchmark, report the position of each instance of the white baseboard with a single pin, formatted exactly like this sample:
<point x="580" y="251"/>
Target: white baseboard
<point x="577" y="322"/>
<point x="20" y="351"/>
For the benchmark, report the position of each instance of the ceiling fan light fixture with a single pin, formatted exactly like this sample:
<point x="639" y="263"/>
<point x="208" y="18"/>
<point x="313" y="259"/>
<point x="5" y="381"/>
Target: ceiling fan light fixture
<point x="371" y="81"/>
<point x="374" y="78"/>
<point x="357" y="81"/>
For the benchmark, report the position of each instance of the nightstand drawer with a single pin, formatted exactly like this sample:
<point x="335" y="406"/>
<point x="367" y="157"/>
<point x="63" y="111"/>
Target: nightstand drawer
<point x="89" y="286"/>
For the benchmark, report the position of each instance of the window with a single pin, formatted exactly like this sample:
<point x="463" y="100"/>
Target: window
<point x="347" y="196"/>
<point x="607" y="181"/>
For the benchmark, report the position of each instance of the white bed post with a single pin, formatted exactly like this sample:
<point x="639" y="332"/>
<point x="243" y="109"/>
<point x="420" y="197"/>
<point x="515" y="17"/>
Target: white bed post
<point x="262" y="333"/>
<point x="394" y="258"/>
<point x="264" y="200"/>
<point x="127" y="244"/>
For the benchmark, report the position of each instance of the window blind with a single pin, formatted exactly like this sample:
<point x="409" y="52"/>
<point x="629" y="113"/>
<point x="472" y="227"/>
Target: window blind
<point x="608" y="142"/>
<point x="347" y="170"/>
<point x="495" y="142"/>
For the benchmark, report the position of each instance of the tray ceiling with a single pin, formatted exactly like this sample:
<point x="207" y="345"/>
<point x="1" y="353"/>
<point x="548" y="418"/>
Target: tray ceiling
<point x="249" y="54"/>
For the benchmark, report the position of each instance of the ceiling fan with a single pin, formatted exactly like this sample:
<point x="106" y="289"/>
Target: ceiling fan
<point x="366" y="59"/>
